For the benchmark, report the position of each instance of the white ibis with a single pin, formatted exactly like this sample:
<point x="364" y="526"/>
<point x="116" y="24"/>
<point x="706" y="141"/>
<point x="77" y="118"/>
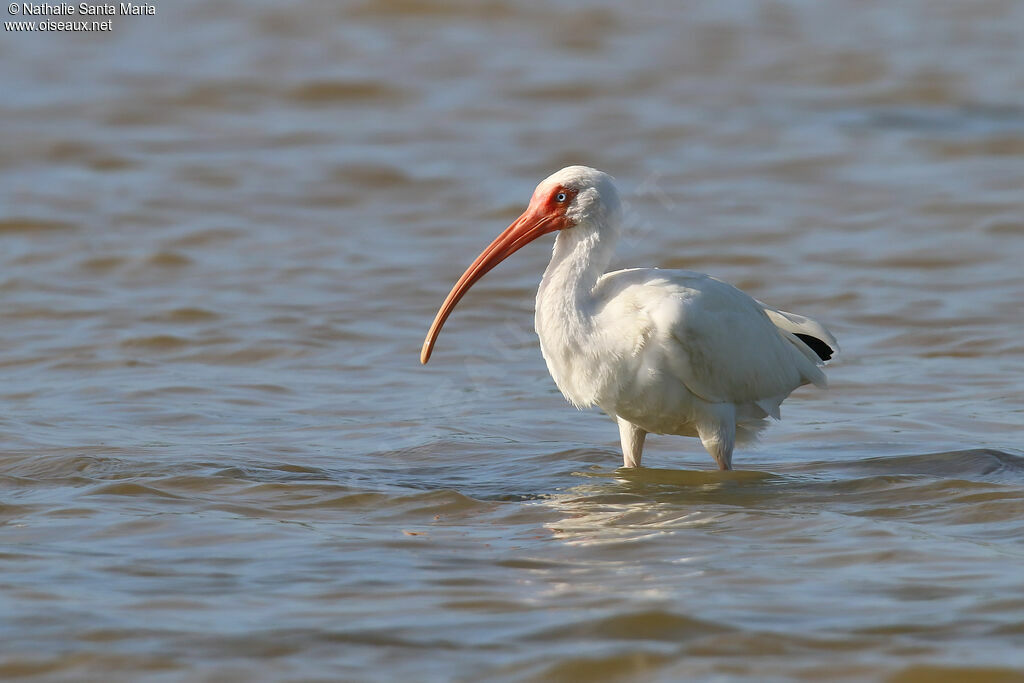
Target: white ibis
<point x="663" y="351"/>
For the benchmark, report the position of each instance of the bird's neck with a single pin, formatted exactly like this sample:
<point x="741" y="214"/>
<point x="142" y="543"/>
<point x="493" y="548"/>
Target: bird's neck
<point x="565" y="300"/>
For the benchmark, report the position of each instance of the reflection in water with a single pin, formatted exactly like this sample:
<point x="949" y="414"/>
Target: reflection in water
<point x="224" y="228"/>
<point x="634" y="503"/>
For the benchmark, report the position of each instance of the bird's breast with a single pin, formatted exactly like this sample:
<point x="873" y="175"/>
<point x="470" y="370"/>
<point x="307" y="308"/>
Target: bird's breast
<point x="576" y="371"/>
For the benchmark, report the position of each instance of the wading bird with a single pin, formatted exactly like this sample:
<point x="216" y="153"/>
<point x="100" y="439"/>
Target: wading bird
<point x="663" y="351"/>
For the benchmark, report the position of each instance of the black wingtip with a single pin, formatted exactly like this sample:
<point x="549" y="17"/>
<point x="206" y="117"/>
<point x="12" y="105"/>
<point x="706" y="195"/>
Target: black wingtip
<point x="819" y="347"/>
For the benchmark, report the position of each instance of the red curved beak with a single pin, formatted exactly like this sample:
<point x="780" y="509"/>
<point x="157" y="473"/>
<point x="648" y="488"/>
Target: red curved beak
<point x="528" y="227"/>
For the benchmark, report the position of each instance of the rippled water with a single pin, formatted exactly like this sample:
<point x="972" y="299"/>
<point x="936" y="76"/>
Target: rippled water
<point x="225" y="229"/>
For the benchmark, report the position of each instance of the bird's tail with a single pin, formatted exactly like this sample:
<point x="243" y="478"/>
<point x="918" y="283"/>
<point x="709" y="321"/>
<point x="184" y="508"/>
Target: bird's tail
<point x="810" y="336"/>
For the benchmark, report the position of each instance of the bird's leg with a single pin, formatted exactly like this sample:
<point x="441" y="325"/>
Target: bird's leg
<point x="632" y="442"/>
<point x="719" y="435"/>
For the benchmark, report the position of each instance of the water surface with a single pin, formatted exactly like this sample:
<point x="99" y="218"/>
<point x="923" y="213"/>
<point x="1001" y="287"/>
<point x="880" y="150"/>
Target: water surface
<point x="225" y="229"/>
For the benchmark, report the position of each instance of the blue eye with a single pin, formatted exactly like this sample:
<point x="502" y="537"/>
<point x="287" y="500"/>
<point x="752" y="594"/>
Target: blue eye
<point x="560" y="197"/>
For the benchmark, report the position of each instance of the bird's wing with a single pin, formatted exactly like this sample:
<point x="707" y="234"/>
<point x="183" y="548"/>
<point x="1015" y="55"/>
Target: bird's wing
<point x="719" y="342"/>
<point x="810" y="333"/>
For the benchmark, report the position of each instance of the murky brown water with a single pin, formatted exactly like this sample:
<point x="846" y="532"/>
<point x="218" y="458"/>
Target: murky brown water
<point x="225" y="229"/>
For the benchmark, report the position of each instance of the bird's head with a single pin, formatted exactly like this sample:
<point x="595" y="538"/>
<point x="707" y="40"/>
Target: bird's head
<point x="580" y="193"/>
<point x="575" y="197"/>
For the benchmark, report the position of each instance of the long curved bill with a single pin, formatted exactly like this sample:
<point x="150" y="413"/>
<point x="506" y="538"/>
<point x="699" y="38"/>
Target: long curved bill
<point x="528" y="227"/>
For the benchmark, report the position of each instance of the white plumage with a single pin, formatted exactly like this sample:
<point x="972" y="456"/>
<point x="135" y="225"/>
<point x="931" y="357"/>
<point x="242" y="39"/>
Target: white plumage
<point x="663" y="351"/>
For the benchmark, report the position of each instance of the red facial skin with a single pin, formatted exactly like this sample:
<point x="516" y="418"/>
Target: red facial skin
<point x="544" y="214"/>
